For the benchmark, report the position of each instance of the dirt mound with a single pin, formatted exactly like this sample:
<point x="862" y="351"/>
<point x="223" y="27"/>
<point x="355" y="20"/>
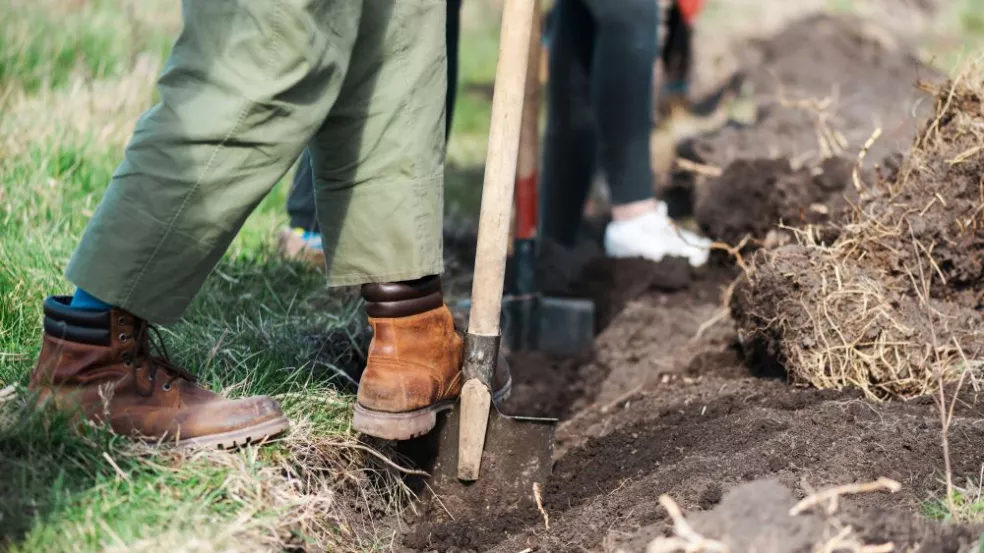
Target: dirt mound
<point x="586" y="272"/>
<point x="822" y="87"/>
<point x="678" y="413"/>
<point x="893" y="305"/>
<point x="753" y="196"/>
<point x="670" y="402"/>
<point x="756" y="517"/>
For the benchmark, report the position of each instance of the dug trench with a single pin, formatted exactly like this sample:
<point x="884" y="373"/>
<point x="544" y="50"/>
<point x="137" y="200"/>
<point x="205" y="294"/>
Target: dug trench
<point x="665" y="405"/>
<point x="665" y="402"/>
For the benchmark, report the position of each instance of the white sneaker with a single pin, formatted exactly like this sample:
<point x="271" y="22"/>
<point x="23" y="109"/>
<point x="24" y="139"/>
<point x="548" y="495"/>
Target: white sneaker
<point x="654" y="236"/>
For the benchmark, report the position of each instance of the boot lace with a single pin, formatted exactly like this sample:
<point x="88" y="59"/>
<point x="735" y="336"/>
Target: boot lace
<point x="150" y="350"/>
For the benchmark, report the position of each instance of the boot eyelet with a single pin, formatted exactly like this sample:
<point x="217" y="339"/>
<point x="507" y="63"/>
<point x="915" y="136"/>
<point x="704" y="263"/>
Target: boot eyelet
<point x="123" y="337"/>
<point x="166" y="387"/>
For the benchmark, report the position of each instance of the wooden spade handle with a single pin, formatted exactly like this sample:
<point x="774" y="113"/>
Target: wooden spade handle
<point x="481" y="341"/>
<point x="500" y="167"/>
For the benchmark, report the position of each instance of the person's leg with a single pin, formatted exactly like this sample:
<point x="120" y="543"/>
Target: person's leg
<point x="300" y="200"/>
<point x="570" y="139"/>
<point x="624" y="52"/>
<point x="677" y="61"/>
<point x="303" y="238"/>
<point x="378" y="158"/>
<point x="245" y="87"/>
<point x="379" y="178"/>
<point x="246" y="84"/>
<point x="453" y="33"/>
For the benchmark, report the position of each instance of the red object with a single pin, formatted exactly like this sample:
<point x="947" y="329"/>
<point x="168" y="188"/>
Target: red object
<point x="526" y="207"/>
<point x="689" y="9"/>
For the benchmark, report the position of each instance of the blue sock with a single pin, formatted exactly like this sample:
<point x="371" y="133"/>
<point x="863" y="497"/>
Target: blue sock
<point x="313" y="239"/>
<point x="676" y="87"/>
<point x="86" y="302"/>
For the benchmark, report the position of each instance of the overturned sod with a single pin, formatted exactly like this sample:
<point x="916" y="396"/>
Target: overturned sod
<point x="892" y="305"/>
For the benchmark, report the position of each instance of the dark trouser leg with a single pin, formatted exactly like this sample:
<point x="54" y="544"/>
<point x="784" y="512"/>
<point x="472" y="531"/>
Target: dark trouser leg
<point x="569" y="142"/>
<point x="300" y="201"/>
<point x="677" y="54"/>
<point x="625" y="48"/>
<point x="453" y="32"/>
<point x="600" y="103"/>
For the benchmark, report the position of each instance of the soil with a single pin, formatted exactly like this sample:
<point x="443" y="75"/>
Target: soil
<point x="753" y="196"/>
<point x="667" y="402"/>
<point x="585" y="272"/>
<point x="905" y="276"/>
<point x="822" y="86"/>
<point x="832" y="73"/>
<point x="755" y="517"/>
<point x="685" y="417"/>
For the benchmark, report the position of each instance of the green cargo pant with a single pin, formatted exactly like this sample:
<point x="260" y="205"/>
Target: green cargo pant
<point x="248" y="85"/>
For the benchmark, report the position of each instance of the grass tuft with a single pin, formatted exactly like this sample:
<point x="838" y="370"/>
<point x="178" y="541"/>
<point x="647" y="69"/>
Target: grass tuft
<point x="967" y="504"/>
<point x="50" y="42"/>
<point x="259" y="326"/>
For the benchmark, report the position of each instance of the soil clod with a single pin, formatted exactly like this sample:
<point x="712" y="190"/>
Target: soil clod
<point x="892" y="306"/>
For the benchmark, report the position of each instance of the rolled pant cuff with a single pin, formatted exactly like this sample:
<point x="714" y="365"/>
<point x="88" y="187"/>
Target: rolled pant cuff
<point x="410" y="274"/>
<point x="117" y="297"/>
<point x="131" y="260"/>
<point x="382" y="231"/>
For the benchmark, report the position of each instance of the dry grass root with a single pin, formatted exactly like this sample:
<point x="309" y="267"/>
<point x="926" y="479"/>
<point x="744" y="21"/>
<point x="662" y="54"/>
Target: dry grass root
<point x="892" y="303"/>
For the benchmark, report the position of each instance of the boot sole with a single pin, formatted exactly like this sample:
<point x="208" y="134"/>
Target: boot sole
<point x="238" y="438"/>
<point x="411" y="424"/>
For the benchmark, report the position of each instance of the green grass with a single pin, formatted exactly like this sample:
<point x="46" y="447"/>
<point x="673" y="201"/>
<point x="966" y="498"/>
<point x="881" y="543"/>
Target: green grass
<point x="473" y="108"/>
<point x="968" y="505"/>
<point x="259" y="326"/>
<point x="69" y="83"/>
<point x="98" y="39"/>
<point x="56" y="473"/>
<point x="957" y="36"/>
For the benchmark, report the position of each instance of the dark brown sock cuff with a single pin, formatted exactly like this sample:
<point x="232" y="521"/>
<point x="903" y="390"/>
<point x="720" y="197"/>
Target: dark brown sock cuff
<point x="403" y="299"/>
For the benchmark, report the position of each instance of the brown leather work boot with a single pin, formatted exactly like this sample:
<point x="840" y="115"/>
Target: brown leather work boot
<point x="414" y="366"/>
<point x="99" y="363"/>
